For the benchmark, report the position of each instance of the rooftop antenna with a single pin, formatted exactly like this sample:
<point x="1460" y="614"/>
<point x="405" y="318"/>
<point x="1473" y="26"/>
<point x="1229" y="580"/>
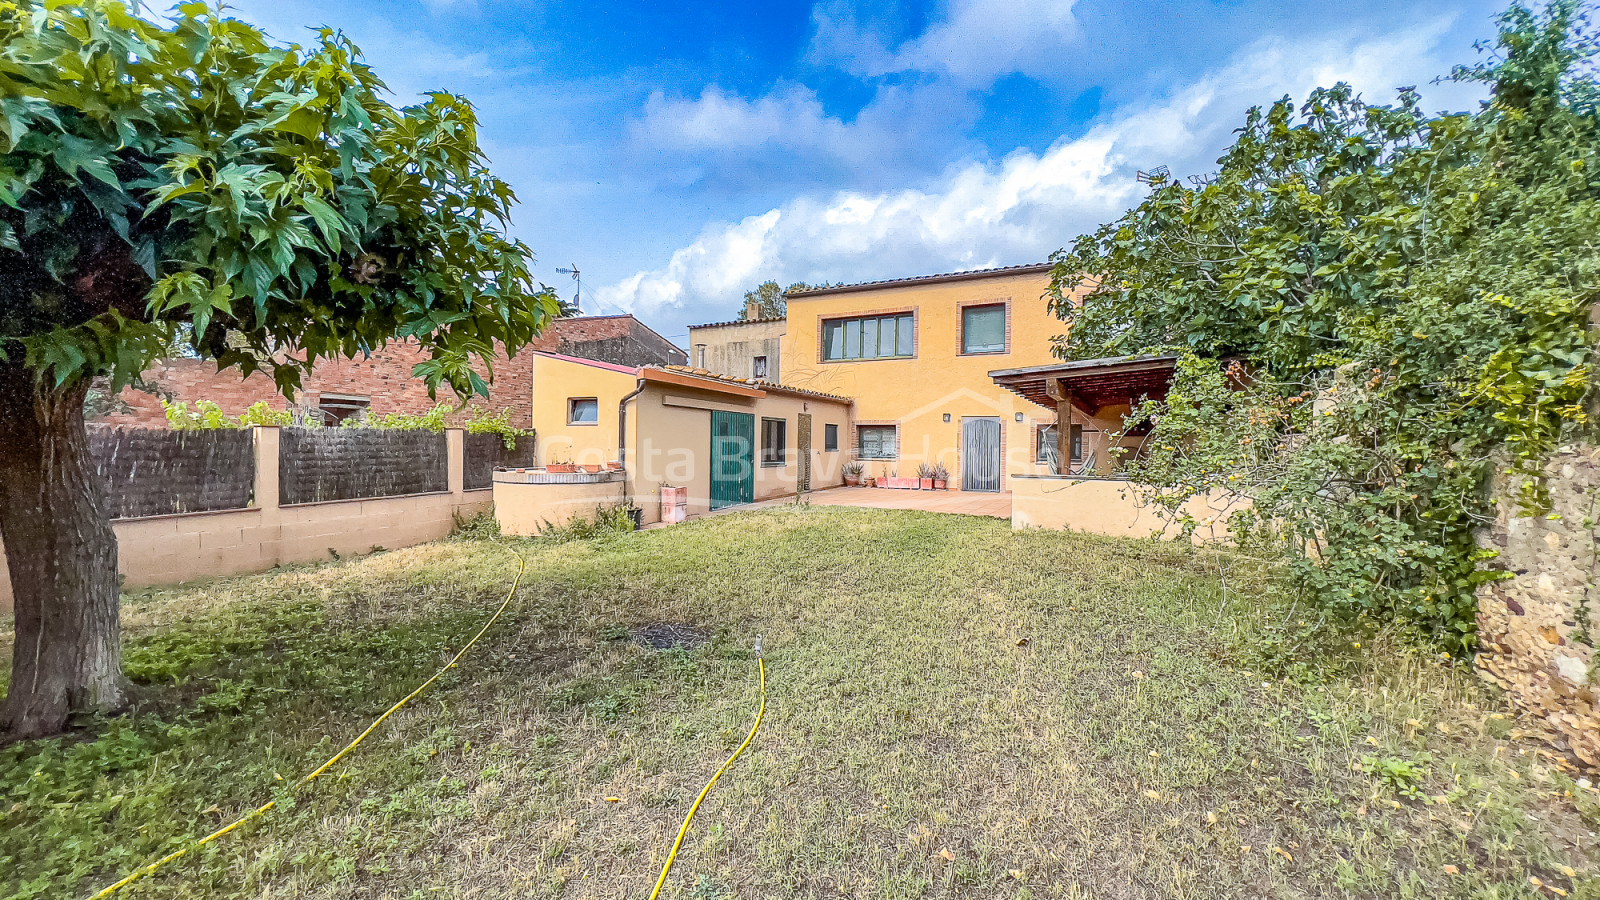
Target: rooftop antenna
<point x="577" y="295"/>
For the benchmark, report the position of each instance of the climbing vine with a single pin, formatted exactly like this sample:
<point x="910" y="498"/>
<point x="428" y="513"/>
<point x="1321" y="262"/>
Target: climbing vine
<point x="1405" y="303"/>
<point x="207" y="414"/>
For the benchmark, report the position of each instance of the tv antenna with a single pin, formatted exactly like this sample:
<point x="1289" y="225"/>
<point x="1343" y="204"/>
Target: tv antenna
<point x="577" y="295"/>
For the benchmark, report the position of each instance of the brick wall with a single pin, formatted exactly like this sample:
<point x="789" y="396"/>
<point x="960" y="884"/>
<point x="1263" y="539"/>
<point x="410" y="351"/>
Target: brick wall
<point x="385" y="378"/>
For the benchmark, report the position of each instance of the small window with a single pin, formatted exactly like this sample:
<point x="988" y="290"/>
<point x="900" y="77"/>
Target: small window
<point x="876" y="442"/>
<point x="758" y="367"/>
<point x="774" y="442"/>
<point x="830" y="438"/>
<point x="871" y="337"/>
<point x="1045" y="450"/>
<point x="1077" y="442"/>
<point x="700" y="355"/>
<point x="336" y="408"/>
<point x="583" y="411"/>
<point x="983" y="329"/>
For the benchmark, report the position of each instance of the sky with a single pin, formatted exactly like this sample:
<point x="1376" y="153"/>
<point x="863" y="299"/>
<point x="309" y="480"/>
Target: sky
<point x="681" y="154"/>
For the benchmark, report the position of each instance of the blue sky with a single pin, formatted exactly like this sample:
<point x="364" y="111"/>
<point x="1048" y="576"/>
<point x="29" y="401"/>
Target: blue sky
<point x="679" y="154"/>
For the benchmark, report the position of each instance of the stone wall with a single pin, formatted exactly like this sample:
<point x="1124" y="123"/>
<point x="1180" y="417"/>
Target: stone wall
<point x="1536" y="629"/>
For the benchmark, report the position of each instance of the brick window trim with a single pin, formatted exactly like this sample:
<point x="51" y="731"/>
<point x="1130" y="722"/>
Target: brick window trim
<point x="961" y="325"/>
<point x="916" y="335"/>
<point x="855" y="439"/>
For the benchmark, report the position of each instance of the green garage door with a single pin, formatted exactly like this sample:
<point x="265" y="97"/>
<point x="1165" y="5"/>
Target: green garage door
<point x="733" y="458"/>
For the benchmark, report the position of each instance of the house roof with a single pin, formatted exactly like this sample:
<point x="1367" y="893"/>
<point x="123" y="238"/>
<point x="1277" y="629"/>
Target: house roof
<point x="999" y="272"/>
<point x="740" y="322"/>
<point x="594" y="363"/>
<point x="1091" y="383"/>
<point x="711" y="381"/>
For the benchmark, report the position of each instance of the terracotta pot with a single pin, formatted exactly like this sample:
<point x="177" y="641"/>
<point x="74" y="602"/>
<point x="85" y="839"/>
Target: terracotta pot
<point x="869" y="481"/>
<point x="925" y="484"/>
<point x="852" y="480"/>
<point x="940" y="484"/>
<point x="561" y="468"/>
<point x="593" y="470"/>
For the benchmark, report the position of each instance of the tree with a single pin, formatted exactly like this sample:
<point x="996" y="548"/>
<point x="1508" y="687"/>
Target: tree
<point x="262" y="205"/>
<point x="771" y="301"/>
<point x="1429" y="280"/>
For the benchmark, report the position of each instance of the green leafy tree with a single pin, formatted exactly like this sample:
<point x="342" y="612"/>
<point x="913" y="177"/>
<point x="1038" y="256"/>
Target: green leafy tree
<point x="1428" y="280"/>
<point x="771" y="301"/>
<point x="260" y="204"/>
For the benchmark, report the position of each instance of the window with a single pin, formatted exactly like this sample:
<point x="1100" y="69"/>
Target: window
<point x="830" y="438"/>
<point x="1077" y="442"/>
<point x="700" y="356"/>
<point x="872" y="337"/>
<point x="983" y="329"/>
<point x="335" y="408"/>
<point x="583" y="411"/>
<point x="1045" y="449"/>
<point x="758" y="367"/>
<point x="876" y="442"/>
<point x="774" y="442"/>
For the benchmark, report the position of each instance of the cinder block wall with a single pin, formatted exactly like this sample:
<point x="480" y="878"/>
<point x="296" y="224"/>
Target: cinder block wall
<point x="179" y="548"/>
<point x="1537" y="629"/>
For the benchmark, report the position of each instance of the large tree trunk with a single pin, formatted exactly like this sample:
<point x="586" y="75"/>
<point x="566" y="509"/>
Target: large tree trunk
<point x="62" y="555"/>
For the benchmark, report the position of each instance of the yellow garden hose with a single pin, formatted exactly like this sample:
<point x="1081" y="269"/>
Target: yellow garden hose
<point x="761" y="667"/>
<point x="262" y="810"/>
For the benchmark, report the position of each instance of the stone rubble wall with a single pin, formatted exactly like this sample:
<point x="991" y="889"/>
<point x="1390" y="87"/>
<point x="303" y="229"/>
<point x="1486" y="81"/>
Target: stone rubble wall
<point x="1537" y="629"/>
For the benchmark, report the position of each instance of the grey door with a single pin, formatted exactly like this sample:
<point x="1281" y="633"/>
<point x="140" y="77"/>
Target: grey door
<point x="980" y="453"/>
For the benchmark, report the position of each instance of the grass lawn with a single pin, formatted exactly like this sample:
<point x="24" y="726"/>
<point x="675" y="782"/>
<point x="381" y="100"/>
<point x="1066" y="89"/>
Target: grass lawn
<point x="954" y="710"/>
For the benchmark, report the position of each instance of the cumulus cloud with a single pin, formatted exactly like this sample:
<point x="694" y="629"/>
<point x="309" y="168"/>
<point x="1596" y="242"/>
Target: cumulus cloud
<point x="1028" y="204"/>
<point x="974" y="42"/>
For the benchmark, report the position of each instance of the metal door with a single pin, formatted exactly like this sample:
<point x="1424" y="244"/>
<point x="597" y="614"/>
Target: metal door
<point x="803" y="436"/>
<point x="733" y="458"/>
<point x="980" y="453"/>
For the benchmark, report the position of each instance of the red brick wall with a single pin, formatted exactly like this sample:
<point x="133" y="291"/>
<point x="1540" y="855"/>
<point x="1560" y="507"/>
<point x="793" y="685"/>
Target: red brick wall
<point x="385" y="378"/>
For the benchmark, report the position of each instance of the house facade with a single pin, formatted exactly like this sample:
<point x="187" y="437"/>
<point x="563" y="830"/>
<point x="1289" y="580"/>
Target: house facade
<point x="574" y="407"/>
<point x="915" y="355"/>
<point x="744" y="348"/>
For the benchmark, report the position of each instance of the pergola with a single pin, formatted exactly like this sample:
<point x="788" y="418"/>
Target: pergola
<point x="1089" y="385"/>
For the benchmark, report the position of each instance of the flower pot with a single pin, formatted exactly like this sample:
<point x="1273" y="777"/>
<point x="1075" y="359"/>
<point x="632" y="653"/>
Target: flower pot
<point x="560" y="468"/>
<point x="925" y="484"/>
<point x="593" y="470"/>
<point x="852" y="480"/>
<point x="940" y="484"/>
<point x="869" y="481"/>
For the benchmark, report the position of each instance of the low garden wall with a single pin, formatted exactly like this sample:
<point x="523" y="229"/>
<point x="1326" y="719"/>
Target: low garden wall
<point x="526" y="502"/>
<point x="173" y="548"/>
<point x="1536" y="629"/>
<point x="1109" y="506"/>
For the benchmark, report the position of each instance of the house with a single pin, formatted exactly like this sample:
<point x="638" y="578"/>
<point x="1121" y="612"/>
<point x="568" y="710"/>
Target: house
<point x="382" y="382"/>
<point x="574" y="407"/>
<point x="915" y="355"/>
<point x="743" y="348"/>
<point x="720" y="441"/>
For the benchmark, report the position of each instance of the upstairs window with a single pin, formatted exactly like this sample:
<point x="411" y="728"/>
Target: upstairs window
<point x="876" y="442"/>
<point x="758" y="367"/>
<point x="774" y="442"/>
<point x="983" y="329"/>
<point x="869" y="337"/>
<point x="583" y="411"/>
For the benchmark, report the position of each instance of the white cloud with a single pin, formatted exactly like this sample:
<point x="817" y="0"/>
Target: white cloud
<point x="973" y="42"/>
<point x="1022" y="207"/>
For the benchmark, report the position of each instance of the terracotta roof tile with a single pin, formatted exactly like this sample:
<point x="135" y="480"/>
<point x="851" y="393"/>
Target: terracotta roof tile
<point x="755" y="383"/>
<point x="919" y="279"/>
<point x="741" y="322"/>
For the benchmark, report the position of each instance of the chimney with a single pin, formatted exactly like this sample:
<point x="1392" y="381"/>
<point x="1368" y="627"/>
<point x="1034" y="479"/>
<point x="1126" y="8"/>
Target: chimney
<point x="752" y="309"/>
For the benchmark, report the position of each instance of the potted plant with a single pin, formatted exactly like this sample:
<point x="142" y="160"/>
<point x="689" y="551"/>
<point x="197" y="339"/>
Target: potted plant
<point x="895" y="481"/>
<point x="925" y="477"/>
<point x="561" y="467"/>
<point x="941" y="477"/>
<point x="593" y="469"/>
<point x="852" y="473"/>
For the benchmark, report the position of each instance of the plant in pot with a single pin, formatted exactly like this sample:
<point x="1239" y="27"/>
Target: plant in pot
<point x="560" y="467"/>
<point x="852" y="473"/>
<point x="925" y="477"/>
<point x="941" y="477"/>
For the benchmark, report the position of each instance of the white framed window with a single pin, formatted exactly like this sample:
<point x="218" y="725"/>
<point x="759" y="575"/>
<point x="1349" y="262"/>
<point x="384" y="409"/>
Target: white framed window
<point x="758" y="367"/>
<point x="983" y="328"/>
<point x="583" y="411"/>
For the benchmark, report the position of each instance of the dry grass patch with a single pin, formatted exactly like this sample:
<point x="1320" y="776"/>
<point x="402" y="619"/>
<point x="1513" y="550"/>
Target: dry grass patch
<point x="954" y="709"/>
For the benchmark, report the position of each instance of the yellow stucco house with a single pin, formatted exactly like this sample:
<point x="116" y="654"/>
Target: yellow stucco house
<point x="575" y="407"/>
<point x="915" y="355"/>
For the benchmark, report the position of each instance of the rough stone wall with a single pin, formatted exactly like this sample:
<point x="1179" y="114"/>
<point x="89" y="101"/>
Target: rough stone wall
<point x="1537" y="629"/>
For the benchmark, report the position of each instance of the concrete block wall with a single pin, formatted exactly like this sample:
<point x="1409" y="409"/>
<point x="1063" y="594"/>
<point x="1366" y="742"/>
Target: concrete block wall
<point x="174" y="549"/>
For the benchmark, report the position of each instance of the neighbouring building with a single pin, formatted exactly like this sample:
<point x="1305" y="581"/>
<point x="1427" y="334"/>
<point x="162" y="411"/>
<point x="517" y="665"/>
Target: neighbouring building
<point x="575" y="407"/>
<point x="382" y="383"/>
<point x="743" y="348"/>
<point x="915" y="354"/>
